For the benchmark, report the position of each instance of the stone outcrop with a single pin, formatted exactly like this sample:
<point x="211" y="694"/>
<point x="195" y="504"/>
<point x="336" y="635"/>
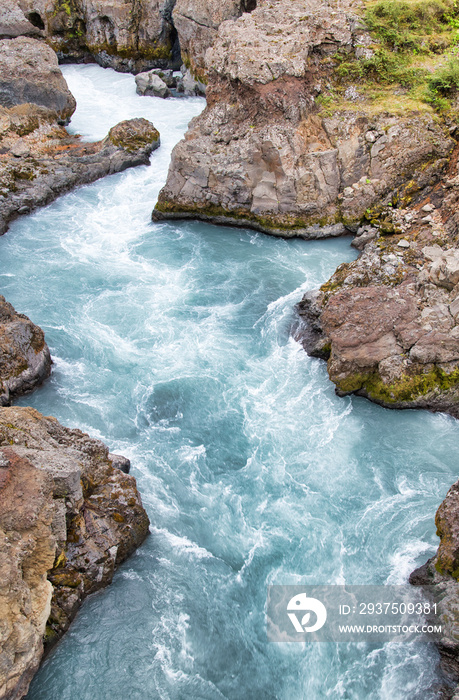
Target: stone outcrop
<point x="127" y="35"/>
<point x="29" y="72"/>
<point x="197" y="23"/>
<point x="68" y="518"/>
<point x="441" y="574"/>
<point x="40" y="160"/>
<point x="124" y="34"/>
<point x="25" y="361"/>
<point x="14" y="22"/>
<point x="389" y="321"/>
<point x="262" y="155"/>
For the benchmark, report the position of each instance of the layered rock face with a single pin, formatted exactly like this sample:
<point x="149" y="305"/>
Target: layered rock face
<point x="261" y="155"/>
<point x="389" y="322"/>
<point x="197" y="23"/>
<point x="25" y="361"/>
<point x="129" y="35"/>
<point x="29" y="72"/>
<point x="68" y="518"/>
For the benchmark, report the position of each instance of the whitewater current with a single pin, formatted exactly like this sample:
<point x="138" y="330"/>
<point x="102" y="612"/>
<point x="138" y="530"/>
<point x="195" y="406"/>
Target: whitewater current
<point x="171" y="343"/>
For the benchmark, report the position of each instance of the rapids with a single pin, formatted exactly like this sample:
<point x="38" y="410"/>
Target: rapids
<point x="171" y="343"/>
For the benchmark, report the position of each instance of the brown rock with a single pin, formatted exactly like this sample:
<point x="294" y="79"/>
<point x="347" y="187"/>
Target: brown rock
<point x="197" y="23"/>
<point x="260" y="155"/>
<point x="25" y="361"/>
<point x="29" y="72"/>
<point x="67" y="519"/>
<point x="53" y="162"/>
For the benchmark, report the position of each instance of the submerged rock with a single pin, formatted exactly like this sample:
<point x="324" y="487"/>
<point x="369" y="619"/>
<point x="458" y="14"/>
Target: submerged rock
<point x="29" y="72"/>
<point x="25" y="361"/>
<point x="68" y="518"/>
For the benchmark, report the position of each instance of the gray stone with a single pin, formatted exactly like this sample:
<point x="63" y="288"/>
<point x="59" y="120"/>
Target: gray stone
<point x="149" y="83"/>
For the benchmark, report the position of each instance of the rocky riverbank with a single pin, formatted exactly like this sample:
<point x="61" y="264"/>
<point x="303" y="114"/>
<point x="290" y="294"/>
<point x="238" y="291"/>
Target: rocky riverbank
<point x="295" y="141"/>
<point x="68" y="518"/>
<point x="39" y="160"/>
<point x="69" y="515"/>
<point x="442" y="572"/>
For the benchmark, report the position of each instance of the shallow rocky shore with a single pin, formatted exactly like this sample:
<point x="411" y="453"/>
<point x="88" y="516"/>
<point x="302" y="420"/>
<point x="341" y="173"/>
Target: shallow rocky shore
<point x="68" y="518"/>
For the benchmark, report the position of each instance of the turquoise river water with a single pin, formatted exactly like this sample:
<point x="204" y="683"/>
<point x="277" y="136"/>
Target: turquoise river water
<point x="171" y="343"/>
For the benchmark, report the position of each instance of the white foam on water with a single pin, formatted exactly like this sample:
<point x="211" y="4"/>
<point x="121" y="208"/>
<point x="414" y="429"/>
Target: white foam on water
<point x="171" y="343"/>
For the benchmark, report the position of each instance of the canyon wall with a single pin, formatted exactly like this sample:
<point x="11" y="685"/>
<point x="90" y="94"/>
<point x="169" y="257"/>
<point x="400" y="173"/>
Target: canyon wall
<point x="68" y="518"/>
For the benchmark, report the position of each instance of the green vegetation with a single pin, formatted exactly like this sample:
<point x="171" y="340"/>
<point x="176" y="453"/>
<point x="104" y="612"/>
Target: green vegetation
<point x="409" y="388"/>
<point x="415" y="55"/>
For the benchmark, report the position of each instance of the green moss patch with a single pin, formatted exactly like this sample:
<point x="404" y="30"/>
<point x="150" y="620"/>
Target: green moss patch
<point x="407" y="389"/>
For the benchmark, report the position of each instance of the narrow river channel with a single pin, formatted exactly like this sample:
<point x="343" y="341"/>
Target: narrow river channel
<point x="171" y="343"/>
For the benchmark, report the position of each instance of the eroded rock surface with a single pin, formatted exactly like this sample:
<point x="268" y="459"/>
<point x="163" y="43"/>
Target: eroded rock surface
<point x="262" y="155"/>
<point x="442" y="572"/>
<point x="197" y="23"/>
<point x="29" y="72"/>
<point x="68" y="518"/>
<point x="122" y="34"/>
<point x="25" y="361"/>
<point x="389" y="322"/>
<point x="39" y="160"/>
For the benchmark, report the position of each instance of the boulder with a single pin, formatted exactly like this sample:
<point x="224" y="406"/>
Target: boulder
<point x="189" y="86"/>
<point x="29" y="73"/>
<point x="149" y="83"/>
<point x="25" y="361"/>
<point x="68" y="518"/>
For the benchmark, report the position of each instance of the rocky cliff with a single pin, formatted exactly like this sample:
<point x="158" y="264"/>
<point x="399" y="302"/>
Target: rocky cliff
<point x="264" y="155"/>
<point x="68" y="518"/>
<point x="442" y="572"/>
<point x="388" y="322"/>
<point x="128" y="35"/>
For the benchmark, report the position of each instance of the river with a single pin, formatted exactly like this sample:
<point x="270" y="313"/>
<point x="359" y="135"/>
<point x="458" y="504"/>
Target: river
<point x="171" y="343"/>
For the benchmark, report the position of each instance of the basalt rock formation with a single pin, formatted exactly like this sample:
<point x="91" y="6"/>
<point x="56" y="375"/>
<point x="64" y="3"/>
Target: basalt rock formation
<point x="25" y="361"/>
<point x="39" y="160"/>
<point x="29" y="73"/>
<point x="388" y="323"/>
<point x="129" y="35"/>
<point x="442" y="573"/>
<point x="262" y="155"/>
<point x="68" y="518"/>
<point x="197" y="24"/>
